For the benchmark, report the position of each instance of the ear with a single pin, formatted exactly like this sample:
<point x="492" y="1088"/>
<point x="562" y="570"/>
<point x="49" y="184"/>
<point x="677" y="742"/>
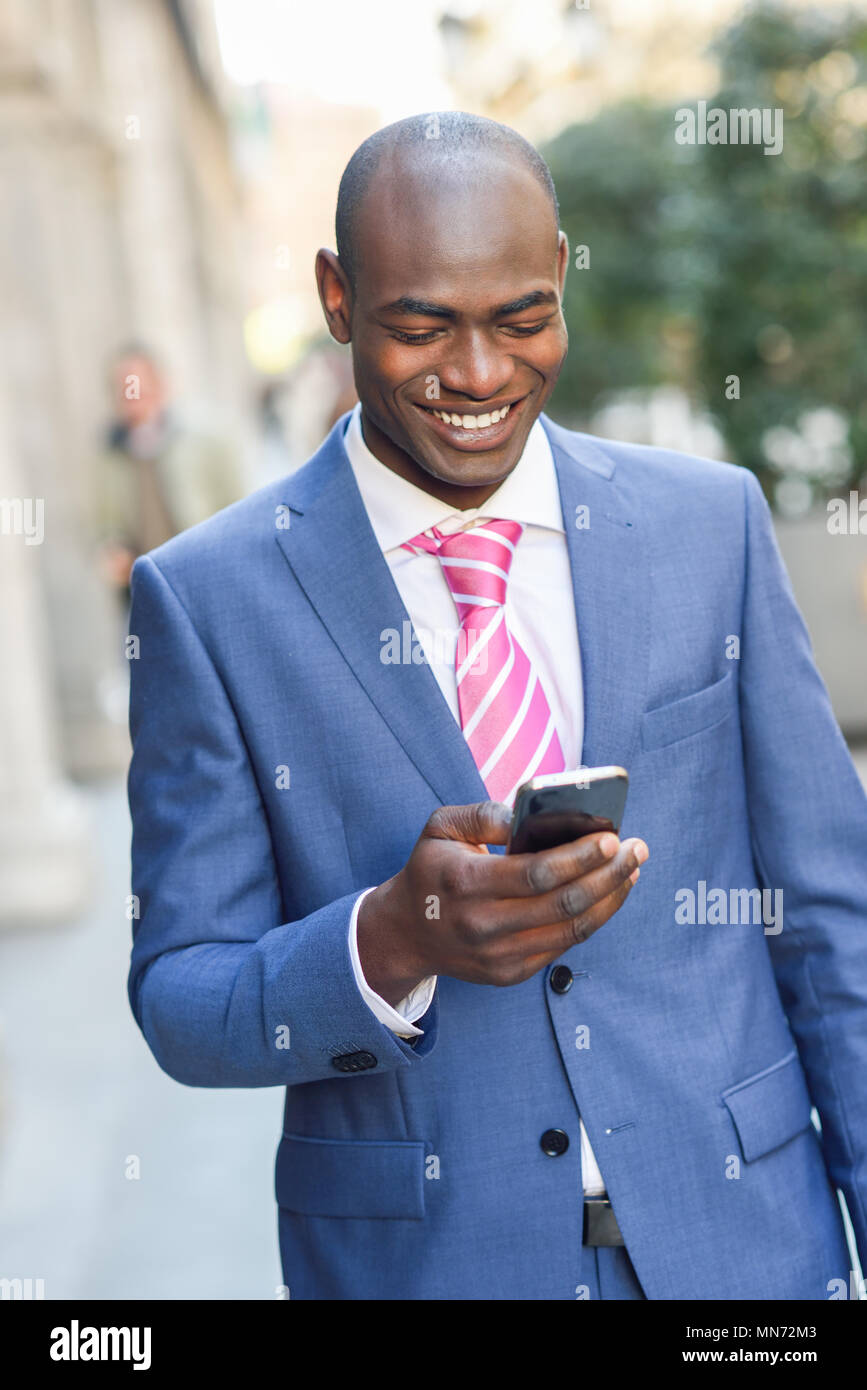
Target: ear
<point x="335" y="295"/>
<point x="562" y="260"/>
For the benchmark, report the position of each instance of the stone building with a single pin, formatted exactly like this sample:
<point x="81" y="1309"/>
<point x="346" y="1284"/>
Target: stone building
<point x="118" y="222"/>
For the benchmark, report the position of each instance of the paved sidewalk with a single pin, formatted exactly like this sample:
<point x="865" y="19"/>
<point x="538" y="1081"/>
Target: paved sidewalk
<point x="80" y="1092"/>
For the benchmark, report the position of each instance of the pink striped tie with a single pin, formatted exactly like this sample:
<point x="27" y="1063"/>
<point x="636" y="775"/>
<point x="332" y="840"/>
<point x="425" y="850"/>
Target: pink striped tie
<point x="504" y="710"/>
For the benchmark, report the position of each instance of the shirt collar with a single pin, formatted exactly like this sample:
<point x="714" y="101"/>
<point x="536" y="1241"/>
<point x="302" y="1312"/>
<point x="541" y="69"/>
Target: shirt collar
<point x="398" y="510"/>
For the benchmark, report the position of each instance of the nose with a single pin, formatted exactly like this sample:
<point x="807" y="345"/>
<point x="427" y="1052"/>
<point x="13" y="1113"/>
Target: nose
<point x="476" y="369"/>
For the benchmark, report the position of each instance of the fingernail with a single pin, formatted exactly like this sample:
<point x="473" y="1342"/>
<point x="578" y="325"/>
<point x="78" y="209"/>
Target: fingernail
<point x="641" y="851"/>
<point x="608" y="845"/>
<point x="636" y="873"/>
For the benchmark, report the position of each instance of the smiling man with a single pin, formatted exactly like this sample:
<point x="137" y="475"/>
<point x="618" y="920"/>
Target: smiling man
<point x="507" y="1076"/>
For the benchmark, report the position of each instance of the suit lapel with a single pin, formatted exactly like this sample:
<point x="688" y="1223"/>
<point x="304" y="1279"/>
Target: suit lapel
<point x="608" y="554"/>
<point x="334" y="555"/>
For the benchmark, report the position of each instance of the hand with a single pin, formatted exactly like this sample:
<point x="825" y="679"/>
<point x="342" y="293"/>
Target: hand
<point x="454" y="909"/>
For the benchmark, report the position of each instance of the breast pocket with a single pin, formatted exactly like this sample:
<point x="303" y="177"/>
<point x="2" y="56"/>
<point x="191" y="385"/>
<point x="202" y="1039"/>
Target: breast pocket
<point x="769" y="1108"/>
<point x="348" y="1177"/>
<point x="690" y="715"/>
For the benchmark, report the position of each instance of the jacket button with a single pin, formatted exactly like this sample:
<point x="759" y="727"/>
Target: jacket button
<point x="561" y="979"/>
<point x="554" y="1142"/>
<point x="354" y="1061"/>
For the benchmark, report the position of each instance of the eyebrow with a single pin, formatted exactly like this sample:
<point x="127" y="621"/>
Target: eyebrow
<point x="425" y="308"/>
<point x="526" y="301"/>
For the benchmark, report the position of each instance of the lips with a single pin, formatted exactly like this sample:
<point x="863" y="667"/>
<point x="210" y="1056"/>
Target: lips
<point x="473" y="433"/>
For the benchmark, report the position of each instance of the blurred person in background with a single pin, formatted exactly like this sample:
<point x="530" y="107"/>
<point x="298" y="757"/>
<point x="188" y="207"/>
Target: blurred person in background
<point x="158" y="474"/>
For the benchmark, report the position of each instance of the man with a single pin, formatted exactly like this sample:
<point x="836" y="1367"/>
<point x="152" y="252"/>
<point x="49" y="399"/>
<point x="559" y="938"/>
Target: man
<point x="158" y="475"/>
<point x="471" y="1040"/>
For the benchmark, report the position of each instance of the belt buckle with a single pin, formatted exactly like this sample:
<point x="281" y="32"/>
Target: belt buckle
<point x="600" y="1223"/>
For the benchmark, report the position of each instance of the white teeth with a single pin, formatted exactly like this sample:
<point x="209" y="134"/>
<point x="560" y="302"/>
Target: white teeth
<point x="473" y="422"/>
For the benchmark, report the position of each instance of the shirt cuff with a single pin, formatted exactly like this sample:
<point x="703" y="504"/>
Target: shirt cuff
<point x="401" y="1019"/>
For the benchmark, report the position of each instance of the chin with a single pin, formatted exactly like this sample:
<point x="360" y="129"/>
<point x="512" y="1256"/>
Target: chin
<point x="468" y="471"/>
<point x="472" y="468"/>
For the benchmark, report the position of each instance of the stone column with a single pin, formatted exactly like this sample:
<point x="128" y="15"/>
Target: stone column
<point x="45" y="841"/>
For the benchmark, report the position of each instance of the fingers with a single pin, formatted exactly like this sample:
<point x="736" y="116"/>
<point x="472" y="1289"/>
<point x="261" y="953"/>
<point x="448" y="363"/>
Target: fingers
<point x="534" y="878"/>
<point x="528" y="875"/>
<point x="519" y="875"/>
<point x="485" y="823"/>
<point x="525" y="953"/>
<point x="573" y="899"/>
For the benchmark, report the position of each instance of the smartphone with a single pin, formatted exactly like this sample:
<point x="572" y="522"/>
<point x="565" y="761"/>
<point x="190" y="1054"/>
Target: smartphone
<point x="563" y="806"/>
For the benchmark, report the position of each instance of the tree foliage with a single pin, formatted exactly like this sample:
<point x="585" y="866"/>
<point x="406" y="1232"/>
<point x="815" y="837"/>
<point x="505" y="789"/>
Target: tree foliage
<point x="708" y="261"/>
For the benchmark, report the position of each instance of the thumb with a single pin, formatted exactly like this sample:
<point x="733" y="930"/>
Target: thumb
<point x="484" y="823"/>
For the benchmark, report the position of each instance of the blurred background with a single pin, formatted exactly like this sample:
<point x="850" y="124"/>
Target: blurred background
<point x="169" y="169"/>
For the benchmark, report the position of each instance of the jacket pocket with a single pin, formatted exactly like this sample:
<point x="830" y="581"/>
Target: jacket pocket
<point x="680" y="718"/>
<point x="770" y="1108"/>
<point x="347" y="1177"/>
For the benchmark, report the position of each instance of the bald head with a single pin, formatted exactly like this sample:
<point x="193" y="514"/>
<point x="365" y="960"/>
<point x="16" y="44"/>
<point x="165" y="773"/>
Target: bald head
<point x="444" y="149"/>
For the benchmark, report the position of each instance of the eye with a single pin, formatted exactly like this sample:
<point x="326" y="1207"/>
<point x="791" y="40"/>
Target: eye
<point x="427" y="337"/>
<point x="524" y="330"/>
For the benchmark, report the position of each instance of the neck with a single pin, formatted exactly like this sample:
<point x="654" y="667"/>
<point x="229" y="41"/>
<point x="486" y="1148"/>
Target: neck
<point x="461" y="499"/>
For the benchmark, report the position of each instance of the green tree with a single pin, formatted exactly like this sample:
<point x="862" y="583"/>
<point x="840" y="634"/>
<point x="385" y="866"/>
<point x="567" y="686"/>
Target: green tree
<point x="712" y="261"/>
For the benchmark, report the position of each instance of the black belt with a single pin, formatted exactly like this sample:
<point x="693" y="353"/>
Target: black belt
<point x="600" y="1223"/>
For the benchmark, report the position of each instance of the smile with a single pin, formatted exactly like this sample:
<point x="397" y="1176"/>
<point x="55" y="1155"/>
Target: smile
<point x="473" y="422"/>
<point x="490" y="429"/>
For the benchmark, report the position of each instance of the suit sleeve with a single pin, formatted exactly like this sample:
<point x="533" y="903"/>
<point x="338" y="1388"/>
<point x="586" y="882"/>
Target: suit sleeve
<point x="225" y="992"/>
<point x="808" y="816"/>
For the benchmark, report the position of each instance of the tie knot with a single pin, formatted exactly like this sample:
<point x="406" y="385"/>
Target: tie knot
<point x="476" y="562"/>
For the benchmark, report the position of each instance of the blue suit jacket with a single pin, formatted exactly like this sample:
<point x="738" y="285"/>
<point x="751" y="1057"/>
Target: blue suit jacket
<point x="280" y="767"/>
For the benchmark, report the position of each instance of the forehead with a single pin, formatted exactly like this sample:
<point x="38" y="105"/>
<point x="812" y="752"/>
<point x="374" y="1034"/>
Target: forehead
<point x="133" y="365"/>
<point x="478" y="230"/>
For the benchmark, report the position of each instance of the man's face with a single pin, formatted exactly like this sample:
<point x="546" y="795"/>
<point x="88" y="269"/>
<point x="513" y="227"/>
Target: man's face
<point x="456" y="313"/>
<point x="138" y="389"/>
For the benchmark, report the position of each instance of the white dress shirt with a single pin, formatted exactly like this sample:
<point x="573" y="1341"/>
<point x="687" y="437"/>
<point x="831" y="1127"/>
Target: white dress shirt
<point x="540" y="613"/>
